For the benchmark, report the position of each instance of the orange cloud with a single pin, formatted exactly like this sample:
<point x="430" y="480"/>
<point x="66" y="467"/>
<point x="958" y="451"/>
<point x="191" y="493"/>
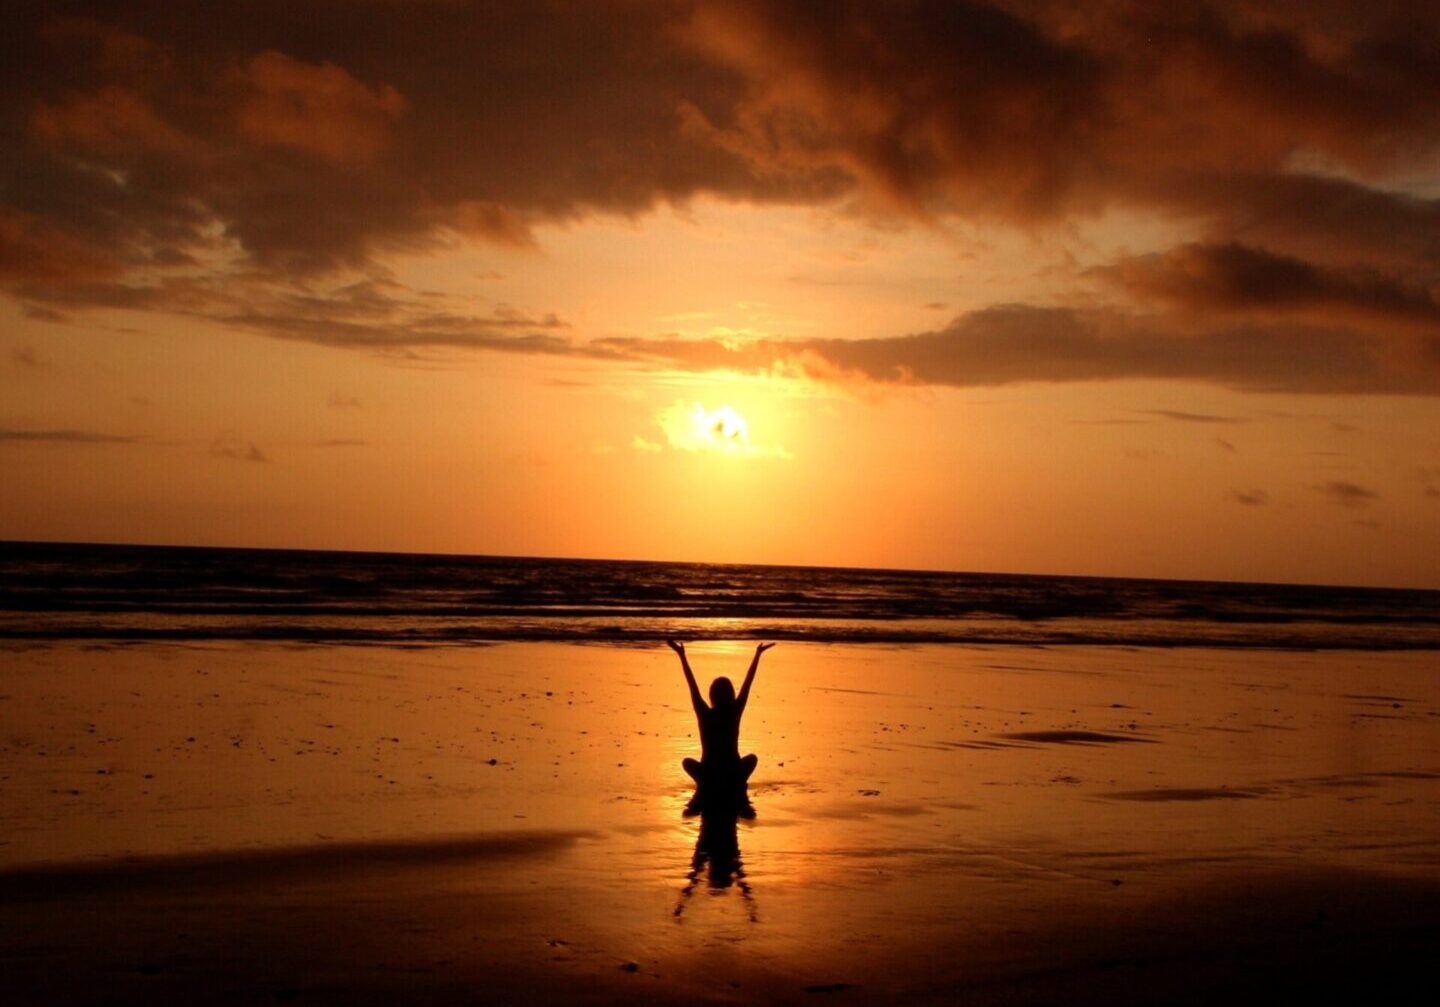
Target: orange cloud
<point x="36" y="254"/>
<point x="316" y="108"/>
<point x="491" y="222"/>
<point x="1015" y="344"/>
<point x="1236" y="278"/>
<point x="110" y="121"/>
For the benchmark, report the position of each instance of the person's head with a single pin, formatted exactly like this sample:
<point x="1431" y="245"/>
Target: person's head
<point x="722" y="692"/>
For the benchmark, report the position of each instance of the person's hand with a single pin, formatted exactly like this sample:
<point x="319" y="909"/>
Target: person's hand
<point x="677" y="647"/>
<point x="762" y="648"/>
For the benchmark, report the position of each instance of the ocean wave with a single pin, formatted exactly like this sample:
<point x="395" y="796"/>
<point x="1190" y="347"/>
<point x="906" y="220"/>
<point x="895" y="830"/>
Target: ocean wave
<point x="162" y="593"/>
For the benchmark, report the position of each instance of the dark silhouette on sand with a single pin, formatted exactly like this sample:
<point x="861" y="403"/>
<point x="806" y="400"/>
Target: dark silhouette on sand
<point x="721" y="783"/>
<point x="717" y="856"/>
<point x="721" y="774"/>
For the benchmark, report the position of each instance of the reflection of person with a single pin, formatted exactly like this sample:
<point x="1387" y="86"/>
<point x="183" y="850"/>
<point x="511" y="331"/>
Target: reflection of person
<point x="720" y="763"/>
<point x="717" y="855"/>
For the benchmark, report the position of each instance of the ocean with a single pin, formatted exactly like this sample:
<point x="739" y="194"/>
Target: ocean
<point x="54" y="591"/>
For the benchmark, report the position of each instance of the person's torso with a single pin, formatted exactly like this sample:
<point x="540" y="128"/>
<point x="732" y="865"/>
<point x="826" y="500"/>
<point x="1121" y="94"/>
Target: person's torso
<point x="719" y="734"/>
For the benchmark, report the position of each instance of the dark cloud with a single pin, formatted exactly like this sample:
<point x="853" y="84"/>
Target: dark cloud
<point x="229" y="444"/>
<point x="461" y="331"/>
<point x="1348" y="494"/>
<point x="1324" y="218"/>
<point x="1227" y="446"/>
<point x="1239" y="279"/>
<point x="933" y="107"/>
<point x="138" y="131"/>
<point x="9" y="434"/>
<point x="1030" y="110"/>
<point x="371" y="313"/>
<point x="1008" y="345"/>
<point x="155" y="155"/>
<point x="1248" y="498"/>
<point x="1184" y="417"/>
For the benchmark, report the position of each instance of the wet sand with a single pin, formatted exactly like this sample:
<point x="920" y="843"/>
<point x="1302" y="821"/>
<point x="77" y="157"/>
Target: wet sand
<point x="503" y="824"/>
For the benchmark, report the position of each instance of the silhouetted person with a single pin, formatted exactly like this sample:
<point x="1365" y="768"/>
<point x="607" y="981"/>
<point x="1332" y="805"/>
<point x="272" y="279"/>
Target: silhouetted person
<point x="720" y="772"/>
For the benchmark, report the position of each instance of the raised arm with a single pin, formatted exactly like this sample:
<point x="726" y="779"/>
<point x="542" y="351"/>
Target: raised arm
<point x="695" y="699"/>
<point x="750" y="676"/>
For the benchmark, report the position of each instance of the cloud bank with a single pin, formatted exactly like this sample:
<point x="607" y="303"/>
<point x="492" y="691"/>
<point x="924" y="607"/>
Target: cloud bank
<point x="1014" y="344"/>
<point x="19" y="436"/>
<point x="250" y="165"/>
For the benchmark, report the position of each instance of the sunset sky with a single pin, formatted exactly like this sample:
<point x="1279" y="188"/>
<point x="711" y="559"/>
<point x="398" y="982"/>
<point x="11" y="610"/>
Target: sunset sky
<point x="1082" y="287"/>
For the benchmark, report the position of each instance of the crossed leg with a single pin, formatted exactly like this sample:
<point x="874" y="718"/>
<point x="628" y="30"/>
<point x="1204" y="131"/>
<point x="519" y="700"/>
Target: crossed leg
<point x="696" y="770"/>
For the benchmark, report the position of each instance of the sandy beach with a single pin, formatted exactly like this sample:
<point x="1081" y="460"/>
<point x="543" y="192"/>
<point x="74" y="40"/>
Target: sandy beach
<point x="255" y="823"/>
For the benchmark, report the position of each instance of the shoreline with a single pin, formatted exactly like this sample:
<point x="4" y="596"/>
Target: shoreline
<point x="446" y="635"/>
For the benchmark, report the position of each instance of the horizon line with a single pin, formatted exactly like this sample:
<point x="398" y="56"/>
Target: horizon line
<point x="417" y="553"/>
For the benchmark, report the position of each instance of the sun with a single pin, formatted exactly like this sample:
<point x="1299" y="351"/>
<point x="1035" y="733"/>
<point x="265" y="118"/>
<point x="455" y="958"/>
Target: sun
<point x="722" y="428"/>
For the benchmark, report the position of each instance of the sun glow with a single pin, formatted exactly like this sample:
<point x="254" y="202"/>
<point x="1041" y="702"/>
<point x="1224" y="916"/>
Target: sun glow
<point x="723" y="428"/>
<point x="690" y="426"/>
